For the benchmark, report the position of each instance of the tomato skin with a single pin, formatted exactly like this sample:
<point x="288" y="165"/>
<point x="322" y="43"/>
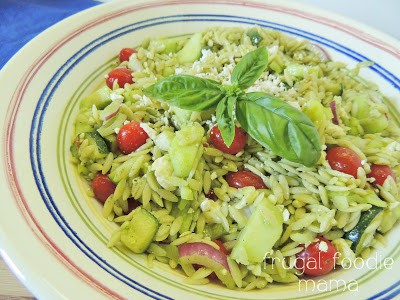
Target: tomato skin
<point x="313" y="261"/>
<point x="244" y="178"/>
<point x="102" y="187"/>
<point x="238" y="143"/>
<point x="126" y="53"/>
<point x="123" y="75"/>
<point x="130" y="137"/>
<point x="344" y="160"/>
<point x="222" y="247"/>
<point x="380" y="173"/>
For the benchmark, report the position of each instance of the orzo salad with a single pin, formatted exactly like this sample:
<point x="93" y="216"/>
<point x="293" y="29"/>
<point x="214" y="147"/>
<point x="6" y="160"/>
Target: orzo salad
<point x="242" y="156"/>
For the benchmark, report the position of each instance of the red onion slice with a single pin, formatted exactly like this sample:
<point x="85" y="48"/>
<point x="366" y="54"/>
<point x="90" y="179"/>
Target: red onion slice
<point x="198" y="253"/>
<point x="335" y="119"/>
<point x="203" y="254"/>
<point x="324" y="55"/>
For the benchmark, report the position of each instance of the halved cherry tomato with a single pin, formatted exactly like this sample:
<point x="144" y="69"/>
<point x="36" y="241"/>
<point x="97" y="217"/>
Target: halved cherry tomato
<point x="380" y="173"/>
<point x="244" y="178"/>
<point x="102" y="187"/>
<point x="122" y="75"/>
<point x="344" y="160"/>
<point x="125" y="53"/>
<point x="130" y="137"/>
<point x="238" y="143"/>
<point x="317" y="259"/>
<point x="222" y="247"/>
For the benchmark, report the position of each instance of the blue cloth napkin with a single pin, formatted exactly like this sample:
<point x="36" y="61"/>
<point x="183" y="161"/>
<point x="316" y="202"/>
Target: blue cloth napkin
<point x="22" y="20"/>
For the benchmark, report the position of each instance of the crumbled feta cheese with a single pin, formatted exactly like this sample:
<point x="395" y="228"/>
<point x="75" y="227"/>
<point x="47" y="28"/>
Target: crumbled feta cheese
<point x="116" y="130"/>
<point x="150" y="131"/>
<point x="268" y="83"/>
<point x="273" y="50"/>
<point x="394" y="146"/>
<point x="146" y="100"/>
<point x="323" y="246"/>
<point x="286" y="215"/>
<point x="134" y="64"/>
<point x="205" y="53"/>
<point x="178" y="71"/>
<point x="116" y="97"/>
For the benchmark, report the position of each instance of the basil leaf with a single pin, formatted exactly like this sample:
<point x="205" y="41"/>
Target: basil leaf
<point x="225" y="119"/>
<point x="275" y="124"/>
<point x="187" y="92"/>
<point x="249" y="68"/>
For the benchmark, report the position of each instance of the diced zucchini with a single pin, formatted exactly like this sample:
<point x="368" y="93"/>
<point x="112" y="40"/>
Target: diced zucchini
<point x="359" y="235"/>
<point x="140" y="231"/>
<point x="168" y="45"/>
<point x="82" y="123"/>
<point x="186" y="193"/>
<point x="315" y="111"/>
<point x="75" y="148"/>
<point x="164" y="140"/>
<point x="191" y="51"/>
<point x="184" y="148"/>
<point x="276" y="67"/>
<point x="299" y="71"/>
<point x="215" y="231"/>
<point x="374" y="124"/>
<point x="111" y="142"/>
<point x="365" y="115"/>
<point x="335" y="88"/>
<point x="360" y="106"/>
<point x="262" y="231"/>
<point x="100" y="98"/>
<point x="389" y="218"/>
<point x="94" y="139"/>
<point x="254" y="36"/>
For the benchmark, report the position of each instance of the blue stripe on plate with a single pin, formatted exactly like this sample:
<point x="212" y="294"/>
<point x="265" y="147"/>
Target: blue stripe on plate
<point x="56" y="80"/>
<point x="385" y="291"/>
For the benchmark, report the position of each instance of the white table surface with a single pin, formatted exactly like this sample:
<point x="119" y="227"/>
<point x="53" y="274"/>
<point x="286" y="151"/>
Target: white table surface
<point x="380" y="14"/>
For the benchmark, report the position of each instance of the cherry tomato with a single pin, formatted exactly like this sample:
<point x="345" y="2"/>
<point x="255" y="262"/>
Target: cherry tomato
<point x="380" y="173"/>
<point x="102" y="187"/>
<point x="344" y="160"/>
<point x="244" y="178"/>
<point x="317" y="259"/>
<point x="238" y="143"/>
<point x="125" y="53"/>
<point x="123" y="75"/>
<point x="130" y="137"/>
<point x="222" y="248"/>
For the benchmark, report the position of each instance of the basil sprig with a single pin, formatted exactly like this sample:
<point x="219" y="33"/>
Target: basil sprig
<point x="187" y="92"/>
<point x="275" y="124"/>
<point x="287" y="131"/>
